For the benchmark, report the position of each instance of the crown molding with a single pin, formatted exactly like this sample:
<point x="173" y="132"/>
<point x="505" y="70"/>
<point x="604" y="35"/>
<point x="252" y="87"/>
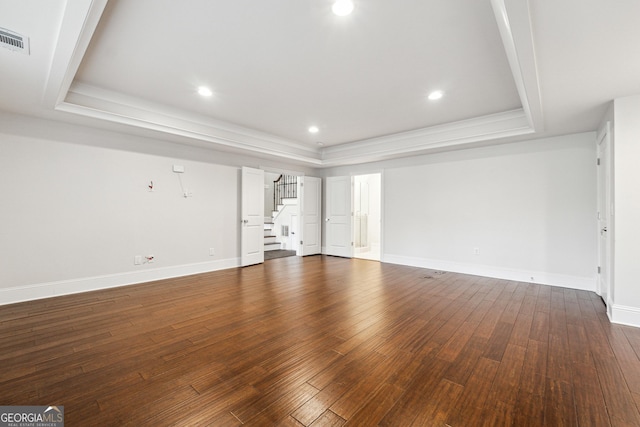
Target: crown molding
<point x="456" y="134"/>
<point x="102" y="104"/>
<point x="81" y="19"/>
<point x="513" y="18"/>
<point x="79" y="22"/>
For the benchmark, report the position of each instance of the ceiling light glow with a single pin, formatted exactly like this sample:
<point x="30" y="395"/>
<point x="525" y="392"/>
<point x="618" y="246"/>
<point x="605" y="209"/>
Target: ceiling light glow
<point x="204" y="91"/>
<point x="342" y="7"/>
<point x="314" y="129"/>
<point x="433" y="96"/>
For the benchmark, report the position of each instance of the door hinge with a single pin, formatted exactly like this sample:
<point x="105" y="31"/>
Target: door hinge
<point x="598" y="162"/>
<point x="300" y="241"/>
<point x="598" y="269"/>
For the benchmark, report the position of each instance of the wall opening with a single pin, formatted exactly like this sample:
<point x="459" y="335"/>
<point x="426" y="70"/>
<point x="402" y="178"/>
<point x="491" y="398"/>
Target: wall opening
<point x="367" y="203"/>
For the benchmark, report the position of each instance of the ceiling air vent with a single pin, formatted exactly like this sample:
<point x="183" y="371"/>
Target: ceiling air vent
<point x="14" y="41"/>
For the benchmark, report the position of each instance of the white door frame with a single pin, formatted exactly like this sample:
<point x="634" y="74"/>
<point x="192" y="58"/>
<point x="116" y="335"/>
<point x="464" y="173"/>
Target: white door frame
<point x="605" y="216"/>
<point x="300" y="251"/>
<point x="381" y="224"/>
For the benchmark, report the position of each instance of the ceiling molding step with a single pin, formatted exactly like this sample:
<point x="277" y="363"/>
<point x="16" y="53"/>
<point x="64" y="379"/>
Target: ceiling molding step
<point x="199" y="137"/>
<point x="490" y="127"/>
<point x="514" y="23"/>
<point x="121" y="104"/>
<point x="80" y="20"/>
<point x="105" y="105"/>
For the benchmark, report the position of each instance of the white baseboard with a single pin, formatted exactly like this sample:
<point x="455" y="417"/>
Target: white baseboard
<point x="624" y="315"/>
<point x="86" y="284"/>
<point x="543" y="278"/>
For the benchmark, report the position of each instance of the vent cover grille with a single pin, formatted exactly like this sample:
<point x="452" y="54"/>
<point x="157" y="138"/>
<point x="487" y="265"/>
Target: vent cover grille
<point x="14" y="41"/>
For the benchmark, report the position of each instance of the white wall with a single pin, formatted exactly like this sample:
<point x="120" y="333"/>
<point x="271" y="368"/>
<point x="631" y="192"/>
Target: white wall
<point x="528" y="207"/>
<point x="626" y="288"/>
<point x="74" y="216"/>
<point x="75" y="209"/>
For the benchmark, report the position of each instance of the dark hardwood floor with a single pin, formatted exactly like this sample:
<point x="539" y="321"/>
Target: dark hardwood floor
<point x="323" y="341"/>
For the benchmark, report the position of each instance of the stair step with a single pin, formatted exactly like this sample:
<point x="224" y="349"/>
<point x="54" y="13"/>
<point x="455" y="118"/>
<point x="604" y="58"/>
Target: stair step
<point x="270" y="239"/>
<point x="272" y="246"/>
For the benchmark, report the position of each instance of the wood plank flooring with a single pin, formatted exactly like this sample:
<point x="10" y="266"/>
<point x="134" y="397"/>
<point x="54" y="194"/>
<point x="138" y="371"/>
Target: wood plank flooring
<point x="323" y="341"/>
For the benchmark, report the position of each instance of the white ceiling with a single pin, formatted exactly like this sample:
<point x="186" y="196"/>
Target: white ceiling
<point x="509" y="69"/>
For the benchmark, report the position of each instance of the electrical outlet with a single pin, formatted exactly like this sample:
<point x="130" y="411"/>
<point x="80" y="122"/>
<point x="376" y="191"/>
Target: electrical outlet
<point x="137" y="260"/>
<point x="476" y="251"/>
<point x="212" y="252"/>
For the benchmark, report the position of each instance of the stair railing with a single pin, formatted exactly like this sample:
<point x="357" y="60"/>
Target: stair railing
<point x="285" y="187"/>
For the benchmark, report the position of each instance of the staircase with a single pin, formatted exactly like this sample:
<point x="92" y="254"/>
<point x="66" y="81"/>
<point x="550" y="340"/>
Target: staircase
<point x="285" y="196"/>
<point x="270" y="243"/>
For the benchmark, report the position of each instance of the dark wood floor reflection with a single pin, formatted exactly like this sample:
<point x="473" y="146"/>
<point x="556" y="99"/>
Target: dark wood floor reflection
<point x="323" y="341"/>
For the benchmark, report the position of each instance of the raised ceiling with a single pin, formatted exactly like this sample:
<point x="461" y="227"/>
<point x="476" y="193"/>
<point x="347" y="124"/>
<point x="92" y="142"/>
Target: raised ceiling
<point x="508" y="68"/>
<point x="282" y="66"/>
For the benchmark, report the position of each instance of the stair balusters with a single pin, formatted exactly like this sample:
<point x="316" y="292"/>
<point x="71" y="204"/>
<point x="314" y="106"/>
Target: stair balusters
<point x="285" y="187"/>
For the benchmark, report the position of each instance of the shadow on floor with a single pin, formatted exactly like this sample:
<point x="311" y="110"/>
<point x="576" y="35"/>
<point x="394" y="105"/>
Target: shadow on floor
<point x="280" y="253"/>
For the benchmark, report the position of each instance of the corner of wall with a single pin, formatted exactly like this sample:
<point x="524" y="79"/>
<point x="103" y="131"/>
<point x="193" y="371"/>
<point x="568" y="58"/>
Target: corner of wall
<point x="624" y="315"/>
<point x="542" y="278"/>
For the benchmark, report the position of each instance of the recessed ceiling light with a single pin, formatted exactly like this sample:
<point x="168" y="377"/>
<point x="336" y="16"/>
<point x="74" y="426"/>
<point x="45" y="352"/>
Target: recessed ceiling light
<point x="435" y="95"/>
<point x="342" y="7"/>
<point x="204" y="91"/>
<point x="314" y="129"/>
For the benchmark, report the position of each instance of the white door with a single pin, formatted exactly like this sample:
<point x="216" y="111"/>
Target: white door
<point x="604" y="215"/>
<point x="252" y="212"/>
<point x="310" y="192"/>
<point x="294" y="236"/>
<point x="338" y="217"/>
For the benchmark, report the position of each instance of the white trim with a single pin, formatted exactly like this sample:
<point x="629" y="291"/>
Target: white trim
<point x="79" y="22"/>
<point x="478" y="129"/>
<point x="539" y="277"/>
<point x="86" y="284"/>
<point x="81" y="19"/>
<point x="624" y="315"/>
<point x="108" y="106"/>
<point x="516" y="32"/>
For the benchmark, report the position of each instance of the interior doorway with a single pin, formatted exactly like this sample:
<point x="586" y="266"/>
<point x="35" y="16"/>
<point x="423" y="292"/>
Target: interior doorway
<point x="367" y="216"/>
<point x="280" y="214"/>
<point x="292" y="215"/>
